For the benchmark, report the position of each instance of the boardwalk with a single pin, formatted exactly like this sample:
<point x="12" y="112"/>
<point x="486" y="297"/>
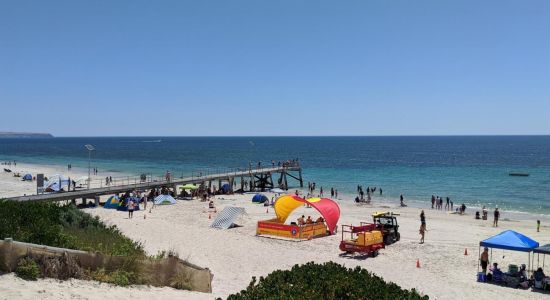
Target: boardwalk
<point x="258" y="177"/>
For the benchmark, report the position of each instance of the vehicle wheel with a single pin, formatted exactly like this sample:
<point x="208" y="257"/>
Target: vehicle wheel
<point x="374" y="253"/>
<point x="387" y="240"/>
<point x="397" y="236"/>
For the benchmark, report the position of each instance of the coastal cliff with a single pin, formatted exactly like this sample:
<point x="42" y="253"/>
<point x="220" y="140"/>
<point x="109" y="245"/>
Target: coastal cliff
<point x="24" y="135"/>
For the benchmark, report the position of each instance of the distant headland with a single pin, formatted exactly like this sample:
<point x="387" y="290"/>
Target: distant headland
<point x="5" y="134"/>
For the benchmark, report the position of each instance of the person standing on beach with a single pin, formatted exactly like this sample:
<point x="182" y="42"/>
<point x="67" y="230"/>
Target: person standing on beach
<point x="422" y="230"/>
<point x="447" y="204"/>
<point x="484" y="260"/>
<point x="538" y="225"/>
<point x="380" y="191"/>
<point x="433" y="201"/>
<point x="496" y="215"/>
<point x="130" y="209"/>
<point x="336" y="194"/>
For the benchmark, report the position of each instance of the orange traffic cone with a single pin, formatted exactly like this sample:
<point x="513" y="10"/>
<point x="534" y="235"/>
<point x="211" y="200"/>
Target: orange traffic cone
<point x="418" y="263"/>
<point x="465" y="251"/>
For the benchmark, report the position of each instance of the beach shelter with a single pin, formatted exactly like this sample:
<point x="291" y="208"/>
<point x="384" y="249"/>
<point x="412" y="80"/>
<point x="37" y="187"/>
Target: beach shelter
<point x="27" y="177"/>
<point x="112" y="202"/>
<point x="164" y="200"/>
<point x="190" y="186"/>
<point x="259" y="198"/>
<point x="226" y="218"/>
<point x="123" y="203"/>
<point x="56" y="183"/>
<point x="226" y="188"/>
<point x="544" y="250"/>
<point x="329" y="209"/>
<point x="510" y="240"/>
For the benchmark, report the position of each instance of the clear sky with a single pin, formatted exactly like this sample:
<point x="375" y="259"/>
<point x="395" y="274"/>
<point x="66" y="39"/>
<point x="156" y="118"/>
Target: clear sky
<point x="77" y="68"/>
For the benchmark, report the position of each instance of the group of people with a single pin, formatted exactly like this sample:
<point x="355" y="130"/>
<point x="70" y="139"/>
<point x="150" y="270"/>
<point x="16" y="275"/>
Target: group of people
<point x="8" y="163"/>
<point x="360" y="198"/>
<point x="303" y="221"/>
<point x="515" y="277"/>
<point x="108" y="180"/>
<point x="437" y="203"/>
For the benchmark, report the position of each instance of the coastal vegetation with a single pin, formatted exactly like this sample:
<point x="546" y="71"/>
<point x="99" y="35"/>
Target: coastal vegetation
<point x="65" y="226"/>
<point x="323" y="281"/>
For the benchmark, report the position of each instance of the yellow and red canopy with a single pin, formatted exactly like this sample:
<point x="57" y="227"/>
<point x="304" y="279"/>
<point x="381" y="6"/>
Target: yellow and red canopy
<point x="330" y="211"/>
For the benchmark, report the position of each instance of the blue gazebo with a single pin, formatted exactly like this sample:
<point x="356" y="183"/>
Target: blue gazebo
<point x="510" y="240"/>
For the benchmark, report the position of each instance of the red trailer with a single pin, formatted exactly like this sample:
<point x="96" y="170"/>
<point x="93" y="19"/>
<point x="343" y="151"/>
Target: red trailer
<point x="366" y="239"/>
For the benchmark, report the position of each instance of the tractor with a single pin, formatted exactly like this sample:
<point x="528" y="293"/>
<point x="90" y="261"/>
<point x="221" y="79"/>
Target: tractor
<point x="387" y="223"/>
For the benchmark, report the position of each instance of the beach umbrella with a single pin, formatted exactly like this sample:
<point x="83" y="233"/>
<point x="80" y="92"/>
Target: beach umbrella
<point x="189" y="186"/>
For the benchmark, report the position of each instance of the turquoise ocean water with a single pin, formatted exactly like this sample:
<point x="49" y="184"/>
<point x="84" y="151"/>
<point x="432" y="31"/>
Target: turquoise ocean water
<point x="468" y="169"/>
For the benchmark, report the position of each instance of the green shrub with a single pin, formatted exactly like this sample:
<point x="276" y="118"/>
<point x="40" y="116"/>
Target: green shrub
<point x="27" y="269"/>
<point x="324" y="281"/>
<point x="120" y="278"/>
<point x="50" y="224"/>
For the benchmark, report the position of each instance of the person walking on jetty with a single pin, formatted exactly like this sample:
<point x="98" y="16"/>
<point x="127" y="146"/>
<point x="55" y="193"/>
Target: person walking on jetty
<point x="422" y="230"/>
<point x="496" y="215"/>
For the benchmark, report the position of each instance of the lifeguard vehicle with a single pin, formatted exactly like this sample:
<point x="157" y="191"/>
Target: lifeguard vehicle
<point x="365" y="239"/>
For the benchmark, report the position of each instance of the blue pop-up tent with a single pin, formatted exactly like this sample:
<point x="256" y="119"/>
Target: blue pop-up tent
<point x="259" y="198"/>
<point x="510" y="240"/>
<point x="27" y="177"/>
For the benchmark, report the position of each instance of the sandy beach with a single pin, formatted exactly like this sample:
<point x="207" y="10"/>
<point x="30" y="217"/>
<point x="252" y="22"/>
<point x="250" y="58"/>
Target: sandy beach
<point x="235" y="255"/>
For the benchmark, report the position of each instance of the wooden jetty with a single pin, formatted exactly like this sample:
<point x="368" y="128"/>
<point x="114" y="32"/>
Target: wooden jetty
<point x="256" y="179"/>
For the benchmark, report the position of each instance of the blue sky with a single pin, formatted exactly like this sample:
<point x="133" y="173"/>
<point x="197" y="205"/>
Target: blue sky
<point x="78" y="68"/>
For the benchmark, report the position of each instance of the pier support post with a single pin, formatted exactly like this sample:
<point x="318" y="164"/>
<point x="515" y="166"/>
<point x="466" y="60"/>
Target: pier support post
<point x="301" y="180"/>
<point x="84" y="201"/>
<point x="73" y="202"/>
<point x="231" y="182"/>
<point x="242" y="184"/>
<point x="96" y="201"/>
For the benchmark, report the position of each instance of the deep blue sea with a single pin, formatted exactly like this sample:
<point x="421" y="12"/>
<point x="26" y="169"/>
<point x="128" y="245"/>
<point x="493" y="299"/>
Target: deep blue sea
<point x="468" y="169"/>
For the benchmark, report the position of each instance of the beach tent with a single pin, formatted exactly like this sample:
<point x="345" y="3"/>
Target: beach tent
<point x="510" y="240"/>
<point x="27" y="177"/>
<point x="226" y="218"/>
<point x="56" y="183"/>
<point x="329" y="209"/>
<point x="112" y="202"/>
<point x="226" y="188"/>
<point x="123" y="204"/>
<point x="190" y="186"/>
<point x="544" y="250"/>
<point x="164" y="199"/>
<point x="259" y="198"/>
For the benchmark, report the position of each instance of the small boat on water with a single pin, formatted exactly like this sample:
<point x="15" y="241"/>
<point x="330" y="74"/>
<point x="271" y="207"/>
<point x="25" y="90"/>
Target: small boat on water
<point x="518" y="174"/>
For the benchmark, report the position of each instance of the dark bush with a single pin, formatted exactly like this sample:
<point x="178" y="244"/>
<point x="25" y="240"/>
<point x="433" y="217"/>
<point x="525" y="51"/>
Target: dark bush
<point x="27" y="269"/>
<point x="324" y="281"/>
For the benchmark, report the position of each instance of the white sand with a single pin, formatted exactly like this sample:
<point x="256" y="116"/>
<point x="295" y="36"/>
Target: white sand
<point x="235" y="255"/>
